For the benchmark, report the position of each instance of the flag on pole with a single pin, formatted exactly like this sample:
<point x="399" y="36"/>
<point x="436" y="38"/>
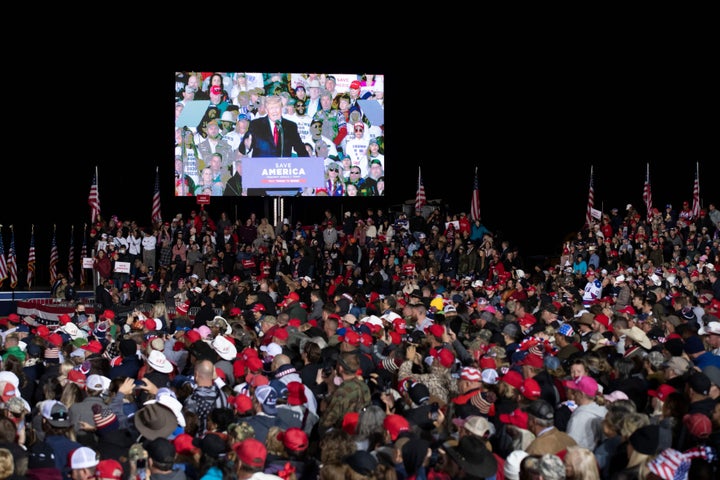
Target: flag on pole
<point x="83" y="254"/>
<point x="420" y="195"/>
<point x="156" y="215"/>
<point x="71" y="255"/>
<point x="475" y="202"/>
<point x="31" y="259"/>
<point x="12" y="261"/>
<point x="3" y="264"/>
<point x="54" y="258"/>
<point x="647" y="195"/>
<point x="94" y="199"/>
<point x="696" y="194"/>
<point x="591" y="201"/>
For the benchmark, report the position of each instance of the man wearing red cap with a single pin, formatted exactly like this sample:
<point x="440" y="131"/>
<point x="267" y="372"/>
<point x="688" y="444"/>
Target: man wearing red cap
<point x="469" y="385"/>
<point x="592" y="290"/>
<point x="350" y="343"/>
<point x="296" y="412"/>
<point x="294" y="308"/>
<point x="251" y="457"/>
<point x="438" y="379"/>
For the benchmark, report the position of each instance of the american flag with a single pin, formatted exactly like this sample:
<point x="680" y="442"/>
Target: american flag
<point x="420" y="195"/>
<point x="12" y="261"/>
<point x="591" y="201"/>
<point x="71" y="256"/>
<point x="31" y="260"/>
<point x="647" y="195"/>
<point x="696" y="196"/>
<point x="83" y="254"/>
<point x="3" y="265"/>
<point x="475" y="202"/>
<point x="94" y="199"/>
<point x="54" y="258"/>
<point x="156" y="215"/>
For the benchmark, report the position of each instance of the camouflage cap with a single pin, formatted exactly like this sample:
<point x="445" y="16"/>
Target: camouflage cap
<point x="241" y="431"/>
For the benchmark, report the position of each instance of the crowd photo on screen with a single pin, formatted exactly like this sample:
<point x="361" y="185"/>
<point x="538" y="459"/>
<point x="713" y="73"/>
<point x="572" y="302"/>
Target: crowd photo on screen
<point x="283" y="134"/>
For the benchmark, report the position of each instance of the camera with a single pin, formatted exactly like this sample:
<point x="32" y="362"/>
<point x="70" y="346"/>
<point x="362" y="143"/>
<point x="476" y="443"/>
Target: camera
<point x="434" y="408"/>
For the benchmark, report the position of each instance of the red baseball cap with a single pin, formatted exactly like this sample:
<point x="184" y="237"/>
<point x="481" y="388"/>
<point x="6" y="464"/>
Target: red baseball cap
<point x="396" y="424"/>
<point x="109" y="468"/>
<point x="532" y="360"/>
<point x="183" y="443"/>
<point x="512" y="378"/>
<point x="517" y="417"/>
<point x="445" y="356"/>
<point x="293" y="296"/>
<point x="251" y="452"/>
<point x="662" y="391"/>
<point x="628" y="309"/>
<point x="530" y="389"/>
<point x="280" y="334"/>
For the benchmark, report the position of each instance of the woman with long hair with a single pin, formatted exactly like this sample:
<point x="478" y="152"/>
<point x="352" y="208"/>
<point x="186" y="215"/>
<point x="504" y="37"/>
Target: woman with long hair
<point x="580" y="464"/>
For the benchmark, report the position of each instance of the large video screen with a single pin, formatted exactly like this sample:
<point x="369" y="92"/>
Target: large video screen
<point x="279" y="134"/>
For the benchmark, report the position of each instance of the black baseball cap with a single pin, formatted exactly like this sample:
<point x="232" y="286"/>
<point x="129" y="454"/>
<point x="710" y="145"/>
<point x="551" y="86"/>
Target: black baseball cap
<point x="541" y="409"/>
<point x="212" y="445"/>
<point x="161" y="450"/>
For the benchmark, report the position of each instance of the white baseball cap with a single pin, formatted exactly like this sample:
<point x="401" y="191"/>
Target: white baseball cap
<point x="98" y="383"/>
<point x="83" y="457"/>
<point x="272" y="349"/>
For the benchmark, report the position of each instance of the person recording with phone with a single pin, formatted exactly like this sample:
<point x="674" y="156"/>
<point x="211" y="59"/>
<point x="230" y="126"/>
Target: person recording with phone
<point x="272" y="135"/>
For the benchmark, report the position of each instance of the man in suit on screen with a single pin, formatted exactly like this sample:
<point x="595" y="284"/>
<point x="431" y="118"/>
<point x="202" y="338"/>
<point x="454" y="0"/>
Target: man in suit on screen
<point x="273" y="135"/>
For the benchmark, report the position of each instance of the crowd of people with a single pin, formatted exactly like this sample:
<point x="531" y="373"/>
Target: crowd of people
<point x="253" y="115"/>
<point x="371" y="347"/>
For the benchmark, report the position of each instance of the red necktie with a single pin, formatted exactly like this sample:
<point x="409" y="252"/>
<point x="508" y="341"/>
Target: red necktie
<point x="276" y="134"/>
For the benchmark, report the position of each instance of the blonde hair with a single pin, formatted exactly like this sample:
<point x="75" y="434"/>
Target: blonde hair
<point x="582" y="462"/>
<point x="631" y="422"/>
<point x="637" y="458"/>
<point x="7" y="465"/>
<point x="273" y="444"/>
<point x="159" y="309"/>
<point x="65" y="367"/>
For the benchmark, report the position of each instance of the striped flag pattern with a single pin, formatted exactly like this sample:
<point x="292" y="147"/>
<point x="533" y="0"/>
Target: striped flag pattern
<point x="12" y="261"/>
<point x="156" y="214"/>
<point x="94" y="199"/>
<point x="31" y="260"/>
<point x="591" y="201"/>
<point x="54" y="258"/>
<point x="420" y="195"/>
<point x="475" y="201"/>
<point x="696" y="197"/>
<point x="647" y="195"/>
<point x="71" y="257"/>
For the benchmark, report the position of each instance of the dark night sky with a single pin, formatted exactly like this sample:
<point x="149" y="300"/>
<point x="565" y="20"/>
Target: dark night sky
<point x="536" y="123"/>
